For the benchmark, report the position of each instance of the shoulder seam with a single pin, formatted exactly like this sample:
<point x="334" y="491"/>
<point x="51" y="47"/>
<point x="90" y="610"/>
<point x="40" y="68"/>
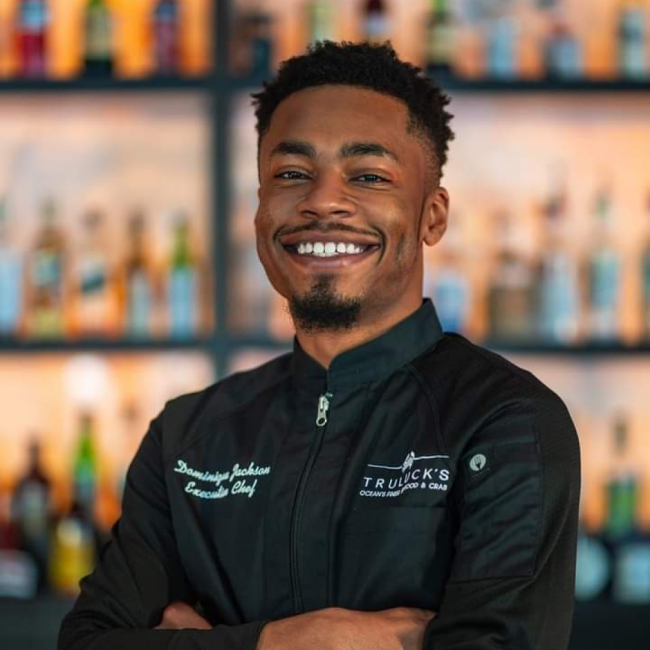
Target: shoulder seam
<point x="433" y="404"/>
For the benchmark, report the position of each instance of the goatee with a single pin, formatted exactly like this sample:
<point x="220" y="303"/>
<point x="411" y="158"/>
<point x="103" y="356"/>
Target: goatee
<point x="323" y="310"/>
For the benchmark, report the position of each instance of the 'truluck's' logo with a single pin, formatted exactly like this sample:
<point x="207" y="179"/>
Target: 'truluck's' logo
<point x="415" y="473"/>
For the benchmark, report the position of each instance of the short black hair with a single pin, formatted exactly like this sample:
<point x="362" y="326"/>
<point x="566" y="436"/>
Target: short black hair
<point x="370" y="65"/>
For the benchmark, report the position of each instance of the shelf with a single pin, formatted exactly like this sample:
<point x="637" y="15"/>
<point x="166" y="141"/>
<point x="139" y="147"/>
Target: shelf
<point x="12" y="346"/>
<point x="608" y="626"/>
<point x="580" y="349"/>
<point x="32" y="624"/>
<point x="584" y="349"/>
<point x="549" y="86"/>
<point x="496" y="85"/>
<point x="81" y="84"/>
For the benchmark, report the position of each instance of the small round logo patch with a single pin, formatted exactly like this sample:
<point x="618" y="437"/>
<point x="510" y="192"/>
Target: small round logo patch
<point x="477" y="462"/>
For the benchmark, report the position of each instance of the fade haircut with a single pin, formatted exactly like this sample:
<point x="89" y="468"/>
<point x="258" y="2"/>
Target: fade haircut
<point x="372" y="66"/>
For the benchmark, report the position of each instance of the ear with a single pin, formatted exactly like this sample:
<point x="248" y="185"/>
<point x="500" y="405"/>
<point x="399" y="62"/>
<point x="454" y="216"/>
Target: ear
<point x="435" y="215"/>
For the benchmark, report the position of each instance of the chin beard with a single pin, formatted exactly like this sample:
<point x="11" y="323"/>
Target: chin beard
<point x="323" y="310"/>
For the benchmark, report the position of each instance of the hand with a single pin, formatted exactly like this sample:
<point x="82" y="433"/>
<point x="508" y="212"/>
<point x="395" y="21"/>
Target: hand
<point x="180" y="616"/>
<point x="335" y="628"/>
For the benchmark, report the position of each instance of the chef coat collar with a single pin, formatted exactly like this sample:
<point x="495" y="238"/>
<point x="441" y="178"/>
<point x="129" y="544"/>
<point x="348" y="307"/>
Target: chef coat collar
<point x="372" y="360"/>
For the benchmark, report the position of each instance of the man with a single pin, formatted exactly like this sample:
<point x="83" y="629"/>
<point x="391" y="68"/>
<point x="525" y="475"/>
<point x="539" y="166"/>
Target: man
<point x="385" y="485"/>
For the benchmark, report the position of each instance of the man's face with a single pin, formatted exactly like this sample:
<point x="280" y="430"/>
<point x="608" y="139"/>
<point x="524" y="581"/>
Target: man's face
<point x="338" y="166"/>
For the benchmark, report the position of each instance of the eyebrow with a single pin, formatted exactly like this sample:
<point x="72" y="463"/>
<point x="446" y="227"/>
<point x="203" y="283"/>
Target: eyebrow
<point x="348" y="150"/>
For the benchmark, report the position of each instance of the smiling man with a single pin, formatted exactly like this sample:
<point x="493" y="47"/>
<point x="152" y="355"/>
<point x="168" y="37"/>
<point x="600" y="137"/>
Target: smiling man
<point x="386" y="485"/>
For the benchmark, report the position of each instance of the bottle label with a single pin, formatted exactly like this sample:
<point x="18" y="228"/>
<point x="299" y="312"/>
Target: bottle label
<point x="604" y="281"/>
<point x="10" y="291"/>
<point x="47" y="270"/>
<point x="139" y="304"/>
<point x="33" y="16"/>
<point x="182" y="301"/>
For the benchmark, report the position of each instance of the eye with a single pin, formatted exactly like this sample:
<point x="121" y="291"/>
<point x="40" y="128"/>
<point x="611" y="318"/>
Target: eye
<point x="290" y="175"/>
<point x="372" y="178"/>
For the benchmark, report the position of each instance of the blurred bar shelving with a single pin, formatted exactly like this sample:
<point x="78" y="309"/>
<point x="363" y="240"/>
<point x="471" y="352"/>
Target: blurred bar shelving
<point x="96" y="84"/>
<point x="498" y="86"/>
<point x="102" y="345"/>
<point x="580" y="350"/>
<point x="598" y="626"/>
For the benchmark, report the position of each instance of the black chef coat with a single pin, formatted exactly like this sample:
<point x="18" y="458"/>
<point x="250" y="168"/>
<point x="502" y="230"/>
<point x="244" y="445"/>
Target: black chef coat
<point x="419" y="470"/>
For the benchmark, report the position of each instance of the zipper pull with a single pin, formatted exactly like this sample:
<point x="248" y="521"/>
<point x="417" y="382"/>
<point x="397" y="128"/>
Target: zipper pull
<point x="323" y="407"/>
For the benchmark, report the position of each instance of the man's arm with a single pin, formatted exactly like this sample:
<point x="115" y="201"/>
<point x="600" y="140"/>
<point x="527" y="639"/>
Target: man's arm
<point x="512" y="581"/>
<point x="139" y="573"/>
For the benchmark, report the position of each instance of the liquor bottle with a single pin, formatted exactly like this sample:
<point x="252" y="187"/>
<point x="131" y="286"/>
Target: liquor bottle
<point x="629" y="545"/>
<point x="604" y="274"/>
<point x="182" y="283"/>
<point x="511" y="295"/>
<point x="645" y="277"/>
<point x="98" y="47"/>
<point x="18" y="571"/>
<point x="75" y="539"/>
<point x="559" y="294"/>
<point x="31" y="30"/>
<point x="166" y="33"/>
<point x="440" y="39"/>
<point x="376" y="22"/>
<point x="138" y="281"/>
<point x="45" y="275"/>
<point x="11" y="272"/>
<point x="319" y="18"/>
<point x="84" y="468"/>
<point x="502" y="46"/>
<point x="96" y="296"/>
<point x="32" y="512"/>
<point x="448" y="284"/>
<point x="563" y="55"/>
<point x="593" y="566"/>
<point x="632" y="48"/>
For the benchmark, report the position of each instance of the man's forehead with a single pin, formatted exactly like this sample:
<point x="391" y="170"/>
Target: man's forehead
<point x="339" y="117"/>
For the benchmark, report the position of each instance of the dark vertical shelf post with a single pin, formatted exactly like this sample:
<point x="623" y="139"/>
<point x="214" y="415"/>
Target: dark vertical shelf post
<point x="220" y="177"/>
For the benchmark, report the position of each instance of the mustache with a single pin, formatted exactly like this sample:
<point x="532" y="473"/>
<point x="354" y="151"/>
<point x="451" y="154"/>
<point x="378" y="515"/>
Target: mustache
<point x="328" y="228"/>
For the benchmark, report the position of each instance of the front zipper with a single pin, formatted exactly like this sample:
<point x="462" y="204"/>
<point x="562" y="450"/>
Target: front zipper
<point x="321" y="421"/>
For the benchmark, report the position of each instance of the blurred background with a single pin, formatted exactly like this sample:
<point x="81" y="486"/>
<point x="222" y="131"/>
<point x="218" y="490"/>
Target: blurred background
<point x="129" y="275"/>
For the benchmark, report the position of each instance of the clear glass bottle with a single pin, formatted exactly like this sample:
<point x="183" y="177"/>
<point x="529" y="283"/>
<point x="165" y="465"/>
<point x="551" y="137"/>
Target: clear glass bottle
<point x="11" y="279"/>
<point x="604" y="273"/>
<point x="46" y="279"/>
<point x="558" y="308"/>
<point x="511" y="294"/>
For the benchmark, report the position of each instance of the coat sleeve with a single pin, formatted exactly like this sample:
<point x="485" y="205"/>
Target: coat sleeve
<point x="511" y="584"/>
<point x="139" y="572"/>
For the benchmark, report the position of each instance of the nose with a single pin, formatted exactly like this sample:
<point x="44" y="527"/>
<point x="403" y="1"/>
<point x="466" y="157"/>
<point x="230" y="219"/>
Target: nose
<point x="326" y="197"/>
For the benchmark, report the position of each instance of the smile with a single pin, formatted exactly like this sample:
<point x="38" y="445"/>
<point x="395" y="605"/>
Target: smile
<point x="329" y="255"/>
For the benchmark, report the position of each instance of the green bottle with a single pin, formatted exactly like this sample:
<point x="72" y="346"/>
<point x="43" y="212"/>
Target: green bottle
<point x="182" y="289"/>
<point x="85" y="465"/>
<point x="98" y="52"/>
<point x="439" y="40"/>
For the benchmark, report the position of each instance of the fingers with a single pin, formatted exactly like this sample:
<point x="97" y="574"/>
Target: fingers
<point x="181" y="616"/>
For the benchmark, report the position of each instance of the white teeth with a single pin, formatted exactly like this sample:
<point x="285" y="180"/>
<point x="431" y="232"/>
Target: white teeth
<point x="329" y="249"/>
